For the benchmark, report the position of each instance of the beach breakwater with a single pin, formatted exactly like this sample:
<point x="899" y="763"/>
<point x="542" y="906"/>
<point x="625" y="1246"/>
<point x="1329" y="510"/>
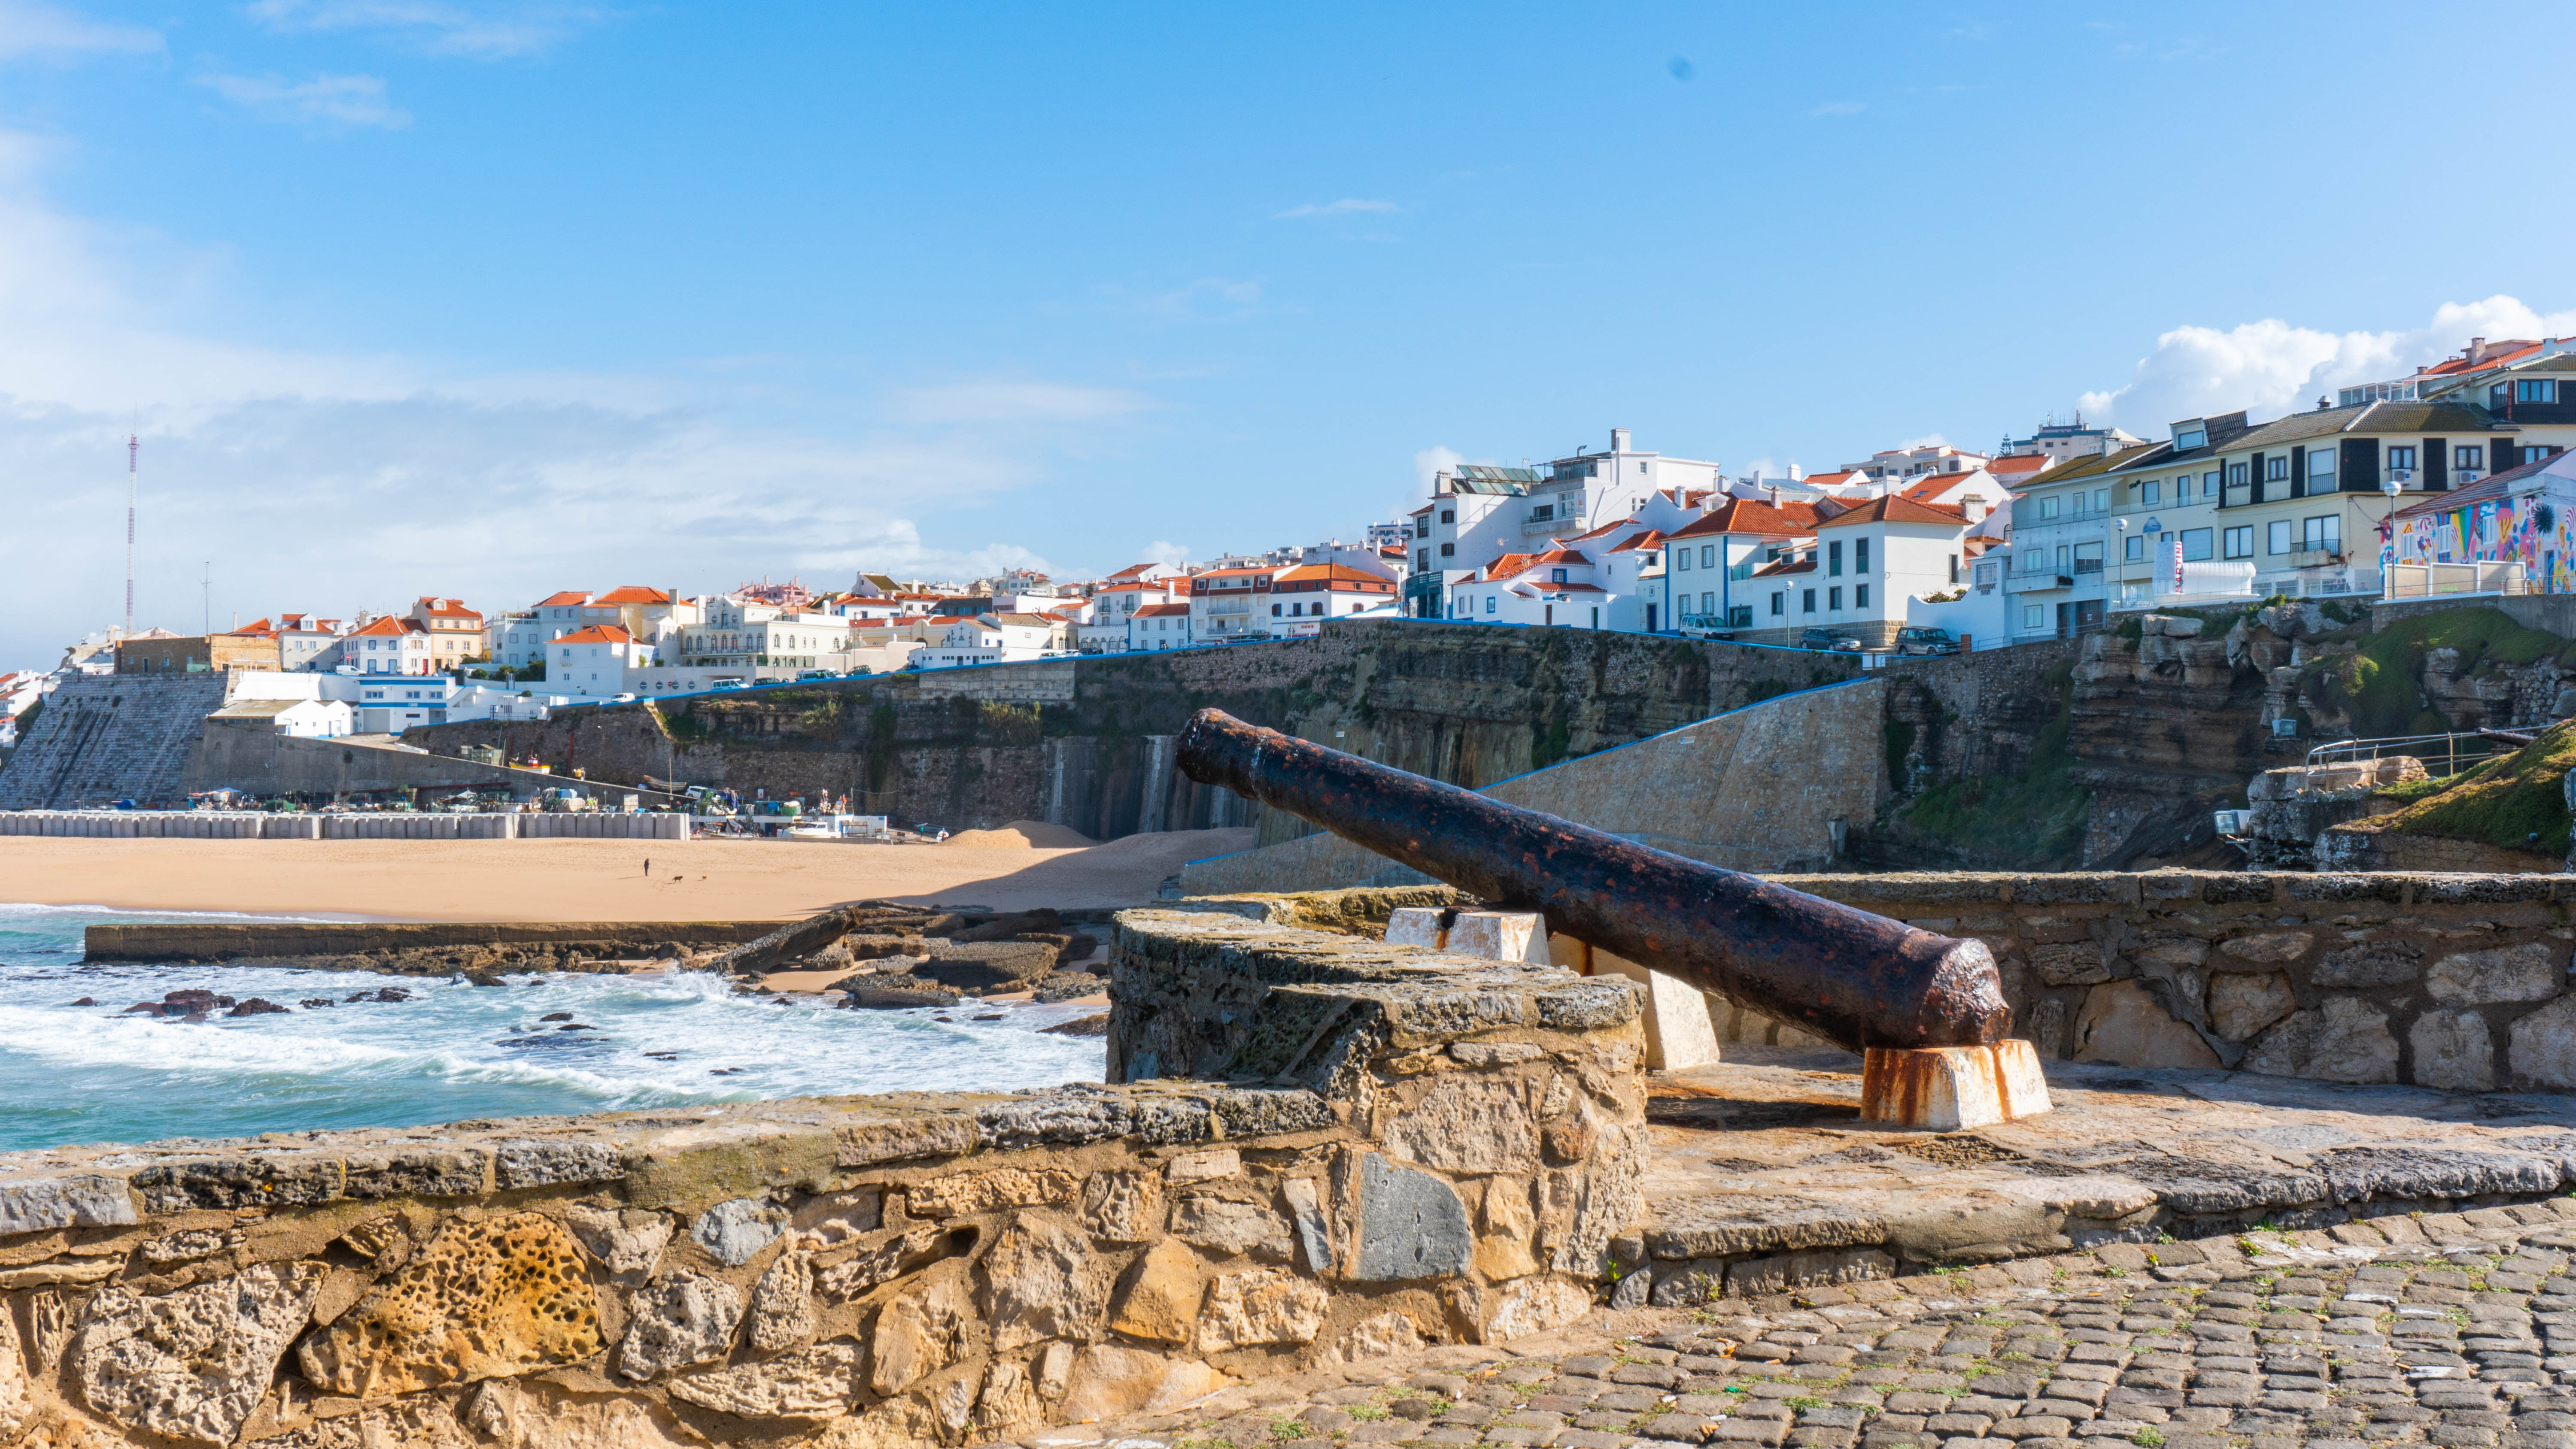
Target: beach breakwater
<point x="1400" y="1147"/>
<point x="395" y="825"/>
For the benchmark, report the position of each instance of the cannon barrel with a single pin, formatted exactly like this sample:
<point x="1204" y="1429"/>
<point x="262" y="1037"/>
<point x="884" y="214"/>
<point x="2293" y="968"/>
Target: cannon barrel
<point x="1853" y="978"/>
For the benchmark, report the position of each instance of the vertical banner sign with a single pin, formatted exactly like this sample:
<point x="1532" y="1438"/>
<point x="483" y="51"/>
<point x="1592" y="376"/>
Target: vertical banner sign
<point x="2177" y="560"/>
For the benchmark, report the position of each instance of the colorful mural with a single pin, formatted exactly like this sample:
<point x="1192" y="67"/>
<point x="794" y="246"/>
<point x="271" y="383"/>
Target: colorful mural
<point x="2535" y="529"/>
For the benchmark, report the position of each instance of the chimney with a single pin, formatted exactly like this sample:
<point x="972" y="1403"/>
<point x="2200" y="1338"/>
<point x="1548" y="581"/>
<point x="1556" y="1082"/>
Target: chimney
<point x="2477" y="350"/>
<point x="1618" y="440"/>
<point x="1974" y="506"/>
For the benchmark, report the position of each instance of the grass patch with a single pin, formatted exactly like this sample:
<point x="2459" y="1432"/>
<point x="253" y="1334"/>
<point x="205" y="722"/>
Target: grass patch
<point x="2035" y="820"/>
<point x="2515" y="801"/>
<point x="2381" y="686"/>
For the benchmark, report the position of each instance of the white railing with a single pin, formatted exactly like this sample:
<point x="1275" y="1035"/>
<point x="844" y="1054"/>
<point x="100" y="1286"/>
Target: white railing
<point x="2434" y="580"/>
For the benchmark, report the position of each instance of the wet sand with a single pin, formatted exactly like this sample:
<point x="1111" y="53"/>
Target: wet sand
<point x="582" y="880"/>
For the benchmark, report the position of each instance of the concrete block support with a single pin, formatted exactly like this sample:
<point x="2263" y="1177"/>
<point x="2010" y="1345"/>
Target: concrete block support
<point x="1947" y="1089"/>
<point x="1679" y="1032"/>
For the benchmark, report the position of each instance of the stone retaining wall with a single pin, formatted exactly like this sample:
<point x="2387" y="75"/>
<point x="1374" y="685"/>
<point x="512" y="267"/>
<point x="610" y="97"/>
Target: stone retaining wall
<point x="2450" y="981"/>
<point x="392" y="825"/>
<point x="1387" y="1147"/>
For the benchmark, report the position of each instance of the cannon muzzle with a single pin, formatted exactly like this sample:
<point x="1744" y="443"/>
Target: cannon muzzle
<point x="1854" y="979"/>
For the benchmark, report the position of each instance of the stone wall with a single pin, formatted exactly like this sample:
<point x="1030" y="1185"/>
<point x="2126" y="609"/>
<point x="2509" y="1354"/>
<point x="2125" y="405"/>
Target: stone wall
<point x="123" y="737"/>
<point x="2449" y="981"/>
<point x="1387" y="1147"/>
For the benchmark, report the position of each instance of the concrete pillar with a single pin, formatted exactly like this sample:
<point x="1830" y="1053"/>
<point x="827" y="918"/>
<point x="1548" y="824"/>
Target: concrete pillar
<point x="1679" y="1033"/>
<point x="1950" y="1089"/>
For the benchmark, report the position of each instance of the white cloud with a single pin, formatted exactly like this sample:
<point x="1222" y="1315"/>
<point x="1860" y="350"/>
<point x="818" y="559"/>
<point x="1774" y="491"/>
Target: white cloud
<point x="1840" y="108"/>
<point x="2272" y="367"/>
<point x="335" y="100"/>
<point x="330" y="481"/>
<point x="1164" y="551"/>
<point x="1344" y="207"/>
<point x="489" y="31"/>
<point x="30" y="29"/>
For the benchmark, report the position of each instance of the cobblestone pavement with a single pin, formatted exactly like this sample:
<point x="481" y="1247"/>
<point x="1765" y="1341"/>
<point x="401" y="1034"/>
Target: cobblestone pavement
<point x="2454" y="1329"/>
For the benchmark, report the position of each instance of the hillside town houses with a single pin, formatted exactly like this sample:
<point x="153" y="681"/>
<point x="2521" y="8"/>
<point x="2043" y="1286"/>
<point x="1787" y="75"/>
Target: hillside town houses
<point x="2457" y="478"/>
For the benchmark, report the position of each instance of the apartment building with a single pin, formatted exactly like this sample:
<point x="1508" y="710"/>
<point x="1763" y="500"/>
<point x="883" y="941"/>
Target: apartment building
<point x="598" y="660"/>
<point x="1231" y="604"/>
<point x="1709" y="563"/>
<point x="2064" y="531"/>
<point x="1480" y="512"/>
<point x="2055" y="442"/>
<point x="1159" y="626"/>
<point x="455" y="632"/>
<point x="389" y="645"/>
<point x="1303" y="596"/>
<point x="736" y="631"/>
<point x="1556" y="585"/>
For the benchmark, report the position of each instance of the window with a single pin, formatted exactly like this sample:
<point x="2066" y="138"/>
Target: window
<point x="1448" y="515"/>
<point x="1641" y="467"/>
<point x="2189" y="438"/>
<point x="1708" y="555"/>
<point x="2237" y="474"/>
<point x="1779" y="602"/>
<point x="2101" y="500"/>
<point x="2277" y="469"/>
<point x="1489" y="603"/>
<point x="1681" y="560"/>
<point x="1542" y="513"/>
<point x="2034" y="616"/>
<point x="1448" y="549"/>
<point x="2321" y="470"/>
<point x="1860" y="555"/>
<point x="1954" y="568"/>
<point x="1708" y="603"/>
<point x="1860" y="596"/>
<point x="1834" y="560"/>
<point x="2195" y="545"/>
<point x="2470" y="457"/>
<point x="1556" y="576"/>
<point x="2061" y="558"/>
<point x="2208" y="485"/>
<point x="2535" y="390"/>
<point x="2134" y="548"/>
<point x="1422" y="562"/>
<point x="1806" y="601"/>
<point x="2534" y="455"/>
<point x="2400" y="459"/>
<point x="2240" y="541"/>
<point x="2323" y="532"/>
<point x="2048" y="508"/>
<point x="1422" y="526"/>
<point x="1834" y="600"/>
<point x="1274" y="610"/>
<point x="2148" y="493"/>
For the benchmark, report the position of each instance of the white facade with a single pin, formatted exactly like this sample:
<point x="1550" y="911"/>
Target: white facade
<point x="736" y="632"/>
<point x="1559" y="587"/>
<point x="598" y="661"/>
<point x="1159" y="626"/>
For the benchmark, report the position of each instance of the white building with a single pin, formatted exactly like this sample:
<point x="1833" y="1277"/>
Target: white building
<point x="599" y="660"/>
<point x="388" y="645"/>
<point x="1882" y="556"/>
<point x="990" y="639"/>
<point x="737" y="632"/>
<point x="1230" y="604"/>
<point x="1555" y="586"/>
<point x="1159" y="626"/>
<point x="305" y="719"/>
<point x="1115" y="604"/>
<point x="1478" y="513"/>
<point x="1710" y="563"/>
<point x="1301" y="598"/>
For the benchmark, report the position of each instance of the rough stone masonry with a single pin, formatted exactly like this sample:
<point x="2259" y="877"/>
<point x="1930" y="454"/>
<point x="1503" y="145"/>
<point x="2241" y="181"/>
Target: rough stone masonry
<point x="1387" y="1148"/>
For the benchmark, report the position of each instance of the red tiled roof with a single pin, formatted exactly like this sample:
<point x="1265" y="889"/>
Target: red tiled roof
<point x="1328" y="573"/>
<point x="1651" y="538"/>
<point x="450" y="607"/>
<point x="1897" y="508"/>
<point x="1777" y="567"/>
<point x="389" y="625"/>
<point x="634" y="594"/>
<point x="2016" y="464"/>
<point x="1570" y="588"/>
<point x="1151" y="611"/>
<point x="567" y="597"/>
<point x="1752" y="515"/>
<point x="599" y="634"/>
<point x="1933" y="483"/>
<point x="1831" y="480"/>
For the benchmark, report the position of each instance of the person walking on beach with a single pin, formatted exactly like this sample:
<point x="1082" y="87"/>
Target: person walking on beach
<point x="648" y="867"/>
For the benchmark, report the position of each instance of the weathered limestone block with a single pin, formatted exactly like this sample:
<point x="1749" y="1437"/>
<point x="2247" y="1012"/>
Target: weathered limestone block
<point x="413" y="1425"/>
<point x="1260" y="1305"/>
<point x="1467" y="1124"/>
<point x="17" y="1392"/>
<point x="1532" y="1305"/>
<point x="1038" y="1284"/>
<point x="1507" y="1240"/>
<point x="1158" y="1296"/>
<point x="1758" y="1276"/>
<point x="883" y="1263"/>
<point x="684" y="1319"/>
<point x="1109" y="1382"/>
<point x="981" y="1192"/>
<point x="2241" y="1005"/>
<point x="536" y="1416"/>
<point x="2453" y="1051"/>
<point x="1123" y="1207"/>
<point x="1378" y="1336"/>
<point x="1223" y="1225"/>
<point x="2070" y="964"/>
<point x="486" y="1299"/>
<point x="33" y="1205"/>
<point x="1008" y="1401"/>
<point x="194" y="1363"/>
<point x="2122" y="1023"/>
<point x="2543" y="1045"/>
<point x="628" y="1244"/>
<point x="2370" y="963"/>
<point x="733" y="1232"/>
<point x="2268" y="948"/>
<point x="1608" y="1196"/>
<point x="2500" y="973"/>
<point x="821" y="1382"/>
<point x="2341" y="1041"/>
<point x="1208" y="1166"/>
<point x="385" y="1242"/>
<point x="1314" y="1229"/>
<point x="918" y="1334"/>
<point x="1412" y="1225"/>
<point x="782" y="1303"/>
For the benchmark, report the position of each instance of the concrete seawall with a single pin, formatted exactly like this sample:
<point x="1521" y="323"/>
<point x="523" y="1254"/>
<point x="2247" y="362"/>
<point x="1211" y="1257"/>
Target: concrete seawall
<point x="253" y="825"/>
<point x="228" y="941"/>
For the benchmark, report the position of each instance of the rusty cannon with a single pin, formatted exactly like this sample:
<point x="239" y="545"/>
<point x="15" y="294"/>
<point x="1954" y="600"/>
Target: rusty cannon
<point x="1900" y="995"/>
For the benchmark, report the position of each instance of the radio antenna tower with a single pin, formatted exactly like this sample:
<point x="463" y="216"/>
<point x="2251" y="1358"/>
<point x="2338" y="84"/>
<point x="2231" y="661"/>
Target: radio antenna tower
<point x="133" y="453"/>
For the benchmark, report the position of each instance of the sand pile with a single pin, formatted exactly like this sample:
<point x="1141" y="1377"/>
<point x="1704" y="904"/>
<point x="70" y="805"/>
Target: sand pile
<point x="1024" y="835"/>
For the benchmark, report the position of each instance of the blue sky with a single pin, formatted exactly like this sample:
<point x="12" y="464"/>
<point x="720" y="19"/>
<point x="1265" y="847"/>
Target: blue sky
<point x="492" y="299"/>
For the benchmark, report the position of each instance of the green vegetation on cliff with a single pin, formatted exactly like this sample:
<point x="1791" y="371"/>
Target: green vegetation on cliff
<point x="2036" y="820"/>
<point x="2381" y="687"/>
<point x="2516" y="801"/>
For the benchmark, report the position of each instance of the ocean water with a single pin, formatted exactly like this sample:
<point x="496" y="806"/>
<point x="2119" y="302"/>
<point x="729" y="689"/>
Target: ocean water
<point x="86" y="1074"/>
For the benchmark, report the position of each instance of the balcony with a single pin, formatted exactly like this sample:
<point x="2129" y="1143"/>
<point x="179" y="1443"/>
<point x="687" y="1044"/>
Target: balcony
<point x="2088" y="566"/>
<point x="2018" y="582"/>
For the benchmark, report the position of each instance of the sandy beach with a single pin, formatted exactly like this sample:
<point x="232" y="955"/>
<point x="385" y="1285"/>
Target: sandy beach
<point x="583" y="880"/>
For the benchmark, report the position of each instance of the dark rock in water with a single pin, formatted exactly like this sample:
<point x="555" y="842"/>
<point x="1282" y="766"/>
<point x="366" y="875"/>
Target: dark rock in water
<point x="1065" y="986"/>
<point x="546" y="1041"/>
<point x="663" y="1056"/>
<point x="311" y="1002"/>
<point x="192" y="1018"/>
<point x="483" y="978"/>
<point x="84" y="1001"/>
<point x="556" y="1016"/>
<point x="1007" y="964"/>
<point x="576" y="1026"/>
<point x="990" y="1016"/>
<point x="882" y="998"/>
<point x="195" y="998"/>
<point x="727" y="1071"/>
<point x="1080" y="1026"/>
<point x="153" y="1007"/>
<point x="257" y="1006"/>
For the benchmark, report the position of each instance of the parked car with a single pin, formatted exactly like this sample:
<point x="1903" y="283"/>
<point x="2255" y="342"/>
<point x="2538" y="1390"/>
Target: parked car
<point x="1834" y="639"/>
<point x="724" y="684"/>
<point x="1917" y="640"/>
<point x="815" y="674"/>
